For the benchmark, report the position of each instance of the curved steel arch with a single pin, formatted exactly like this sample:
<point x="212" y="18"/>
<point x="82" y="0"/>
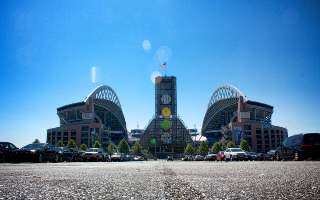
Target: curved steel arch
<point x="225" y="92"/>
<point x="106" y="97"/>
<point x="104" y="92"/>
<point x="222" y="98"/>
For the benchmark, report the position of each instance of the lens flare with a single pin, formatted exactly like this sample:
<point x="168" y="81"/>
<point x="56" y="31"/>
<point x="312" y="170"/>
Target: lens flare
<point x="163" y="55"/>
<point x="154" y="76"/>
<point x="146" y="45"/>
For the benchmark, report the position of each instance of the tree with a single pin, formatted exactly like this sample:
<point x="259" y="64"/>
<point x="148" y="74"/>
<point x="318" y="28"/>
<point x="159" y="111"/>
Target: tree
<point x="244" y="145"/>
<point x="216" y="147"/>
<point x="97" y="144"/>
<point x="60" y="143"/>
<point x="72" y="144"/>
<point x="203" y="148"/>
<point x="36" y="141"/>
<point x="83" y="147"/>
<point x="111" y="148"/>
<point x="189" y="149"/>
<point x="123" y="146"/>
<point x="137" y="148"/>
<point x="231" y="144"/>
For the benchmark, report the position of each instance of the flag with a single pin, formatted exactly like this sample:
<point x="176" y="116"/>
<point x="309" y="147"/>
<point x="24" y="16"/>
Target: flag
<point x="164" y="65"/>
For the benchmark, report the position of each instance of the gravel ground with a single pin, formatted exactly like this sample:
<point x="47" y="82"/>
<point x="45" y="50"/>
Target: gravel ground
<point x="161" y="180"/>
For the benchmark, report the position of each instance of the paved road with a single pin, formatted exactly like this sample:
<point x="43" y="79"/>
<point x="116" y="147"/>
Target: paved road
<point x="161" y="180"/>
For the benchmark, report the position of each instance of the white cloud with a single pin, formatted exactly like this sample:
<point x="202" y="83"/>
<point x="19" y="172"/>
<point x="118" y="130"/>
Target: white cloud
<point x="93" y="74"/>
<point x="146" y="45"/>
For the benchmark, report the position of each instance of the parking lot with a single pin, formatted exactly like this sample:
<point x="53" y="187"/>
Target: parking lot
<point x="161" y="180"/>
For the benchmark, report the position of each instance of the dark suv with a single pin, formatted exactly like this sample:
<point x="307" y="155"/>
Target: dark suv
<point x="38" y="152"/>
<point x="70" y="154"/>
<point x="6" y="151"/>
<point x="300" y="147"/>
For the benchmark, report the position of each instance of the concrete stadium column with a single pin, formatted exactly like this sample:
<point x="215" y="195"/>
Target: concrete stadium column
<point x="241" y="108"/>
<point x="78" y="135"/>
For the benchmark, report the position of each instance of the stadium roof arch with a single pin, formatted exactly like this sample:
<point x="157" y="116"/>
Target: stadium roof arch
<point x="223" y="99"/>
<point x="105" y="97"/>
<point x="104" y="92"/>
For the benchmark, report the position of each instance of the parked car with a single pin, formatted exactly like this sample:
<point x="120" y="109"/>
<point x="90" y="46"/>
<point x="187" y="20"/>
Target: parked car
<point x="210" y="157"/>
<point x="71" y="155"/>
<point x="251" y="155"/>
<point x="116" y="157"/>
<point x="187" y="158"/>
<point x="94" y="154"/>
<point x="128" y="157"/>
<point x="138" y="158"/>
<point x="170" y="158"/>
<point x="199" y="158"/>
<point x="261" y="156"/>
<point x="38" y="152"/>
<point x="299" y="147"/>
<point x="270" y="155"/>
<point x="7" y="151"/>
<point x="220" y="156"/>
<point x="234" y="154"/>
<point x="81" y="155"/>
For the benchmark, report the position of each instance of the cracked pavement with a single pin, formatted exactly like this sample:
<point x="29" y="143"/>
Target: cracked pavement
<point x="161" y="180"/>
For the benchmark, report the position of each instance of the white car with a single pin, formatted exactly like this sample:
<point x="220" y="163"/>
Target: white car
<point x="234" y="154"/>
<point x="94" y="154"/>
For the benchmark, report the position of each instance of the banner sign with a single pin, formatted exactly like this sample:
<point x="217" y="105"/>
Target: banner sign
<point x="87" y="115"/>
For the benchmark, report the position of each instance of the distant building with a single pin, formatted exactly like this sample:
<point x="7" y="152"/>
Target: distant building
<point x="166" y="133"/>
<point x="135" y="136"/>
<point x="193" y="131"/>
<point x="98" y="118"/>
<point x="231" y="116"/>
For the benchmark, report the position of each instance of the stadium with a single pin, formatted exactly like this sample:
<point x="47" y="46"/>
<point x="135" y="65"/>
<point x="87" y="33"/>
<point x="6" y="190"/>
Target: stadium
<point x="98" y="117"/>
<point x="231" y="116"/>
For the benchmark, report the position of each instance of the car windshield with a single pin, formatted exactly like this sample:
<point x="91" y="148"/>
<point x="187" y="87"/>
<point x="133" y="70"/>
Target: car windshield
<point x="236" y="150"/>
<point x="34" y="146"/>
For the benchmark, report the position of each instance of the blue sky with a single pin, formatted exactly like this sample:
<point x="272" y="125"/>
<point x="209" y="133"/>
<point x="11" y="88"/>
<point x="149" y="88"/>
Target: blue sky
<point x="270" y="50"/>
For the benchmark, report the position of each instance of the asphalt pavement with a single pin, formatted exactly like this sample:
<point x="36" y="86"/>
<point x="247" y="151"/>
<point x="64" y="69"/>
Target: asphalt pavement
<point x="161" y="180"/>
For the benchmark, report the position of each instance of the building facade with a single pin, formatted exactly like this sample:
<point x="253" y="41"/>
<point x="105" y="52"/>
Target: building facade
<point x="231" y="116"/>
<point x="135" y="136"/>
<point x="98" y="118"/>
<point x="166" y="133"/>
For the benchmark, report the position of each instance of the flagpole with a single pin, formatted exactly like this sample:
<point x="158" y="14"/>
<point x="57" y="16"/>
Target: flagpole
<point x="164" y="67"/>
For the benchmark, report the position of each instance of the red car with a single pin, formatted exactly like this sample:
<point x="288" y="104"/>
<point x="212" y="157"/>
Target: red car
<point x="220" y="156"/>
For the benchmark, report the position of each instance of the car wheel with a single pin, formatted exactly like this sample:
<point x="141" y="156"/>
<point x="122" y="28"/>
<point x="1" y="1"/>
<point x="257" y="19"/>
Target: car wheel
<point x="40" y="158"/>
<point x="296" y="156"/>
<point x="56" y="158"/>
<point x="277" y="157"/>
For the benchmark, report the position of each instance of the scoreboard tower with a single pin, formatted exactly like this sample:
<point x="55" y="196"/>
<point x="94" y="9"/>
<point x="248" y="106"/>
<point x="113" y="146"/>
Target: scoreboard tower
<point x="166" y="133"/>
